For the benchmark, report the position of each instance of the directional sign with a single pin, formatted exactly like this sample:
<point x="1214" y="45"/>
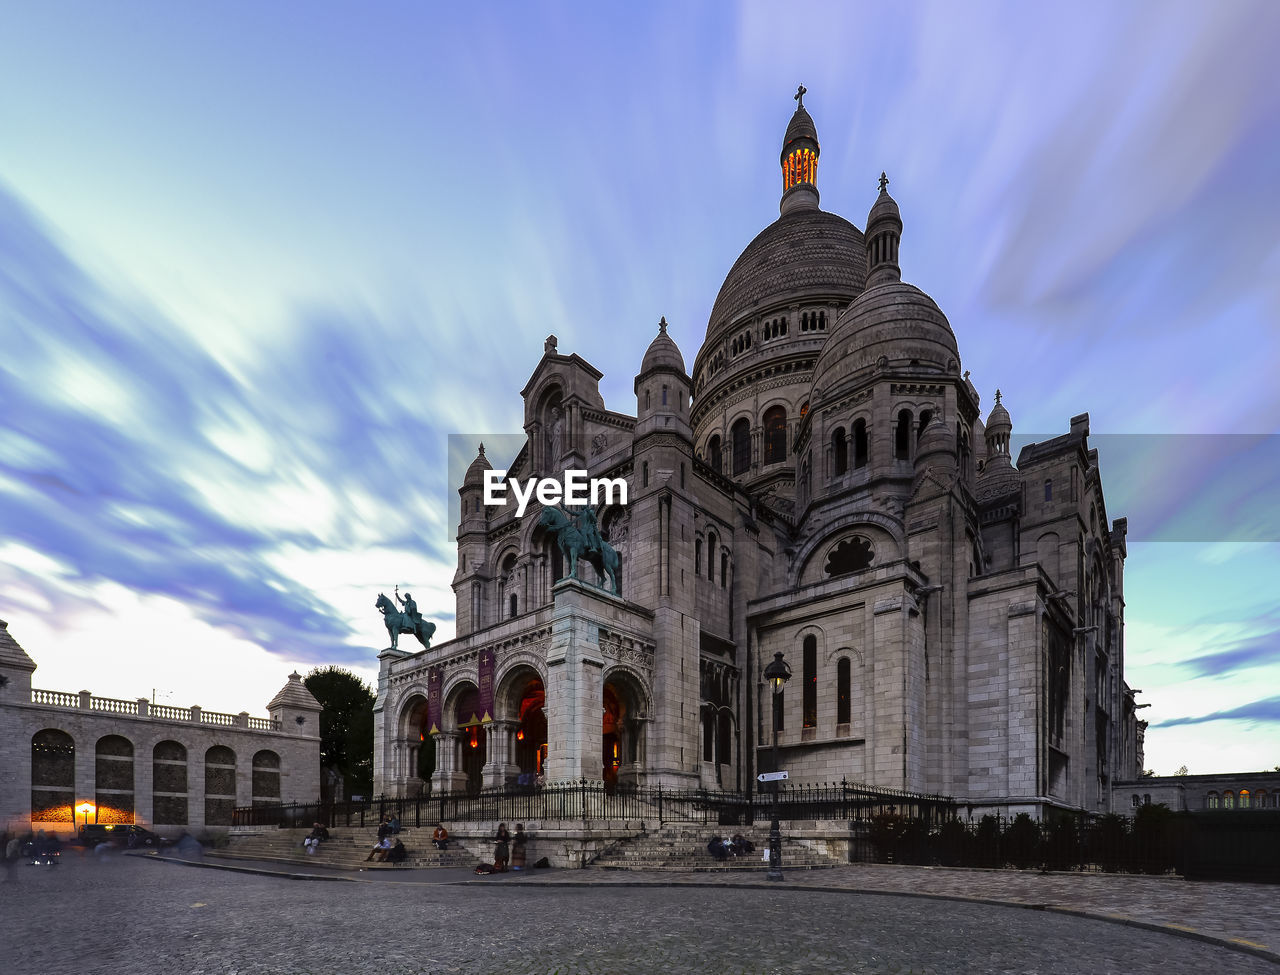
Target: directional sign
<point x="771" y="776"/>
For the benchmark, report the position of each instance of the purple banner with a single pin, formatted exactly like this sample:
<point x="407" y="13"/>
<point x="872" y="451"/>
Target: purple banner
<point x="435" y="682"/>
<point x="488" y="663"/>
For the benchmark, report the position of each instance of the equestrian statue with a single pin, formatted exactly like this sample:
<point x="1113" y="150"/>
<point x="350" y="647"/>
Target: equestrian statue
<point x="578" y="537"/>
<point x="408" y="621"/>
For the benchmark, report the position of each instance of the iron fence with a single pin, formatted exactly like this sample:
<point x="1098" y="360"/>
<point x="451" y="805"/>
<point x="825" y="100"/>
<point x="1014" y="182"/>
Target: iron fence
<point x="593" y="802"/>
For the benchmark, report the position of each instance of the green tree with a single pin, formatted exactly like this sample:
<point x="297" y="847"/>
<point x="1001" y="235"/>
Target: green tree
<point x="346" y="726"/>
<point x="1182" y="770"/>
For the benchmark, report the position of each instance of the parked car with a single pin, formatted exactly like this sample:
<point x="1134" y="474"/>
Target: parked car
<point x="120" y="834"/>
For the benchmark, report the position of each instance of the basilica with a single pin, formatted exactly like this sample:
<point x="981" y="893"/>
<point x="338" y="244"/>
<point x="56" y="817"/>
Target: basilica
<point x="823" y="485"/>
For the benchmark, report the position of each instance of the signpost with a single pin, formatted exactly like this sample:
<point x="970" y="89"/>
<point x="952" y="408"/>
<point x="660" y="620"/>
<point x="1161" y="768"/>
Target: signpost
<point x="771" y="776"/>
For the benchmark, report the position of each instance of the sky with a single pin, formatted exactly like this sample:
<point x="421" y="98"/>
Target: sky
<point x="259" y="261"/>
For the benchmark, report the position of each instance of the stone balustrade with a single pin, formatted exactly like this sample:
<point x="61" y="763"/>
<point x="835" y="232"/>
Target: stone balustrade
<point x="145" y="709"/>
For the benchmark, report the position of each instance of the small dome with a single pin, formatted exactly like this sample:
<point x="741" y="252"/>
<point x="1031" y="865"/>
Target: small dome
<point x="800" y="127"/>
<point x="998" y="419"/>
<point x="894" y="321"/>
<point x="936" y="443"/>
<point x="663" y="353"/>
<point x="885" y="207"/>
<point x="475" y="473"/>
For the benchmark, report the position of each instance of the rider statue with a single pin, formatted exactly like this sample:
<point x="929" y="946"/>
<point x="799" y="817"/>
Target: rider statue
<point x="410" y="607"/>
<point x="585" y="522"/>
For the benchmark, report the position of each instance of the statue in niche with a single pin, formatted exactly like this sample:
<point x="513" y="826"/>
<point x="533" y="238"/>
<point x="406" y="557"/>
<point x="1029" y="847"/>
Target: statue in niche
<point x="555" y="437"/>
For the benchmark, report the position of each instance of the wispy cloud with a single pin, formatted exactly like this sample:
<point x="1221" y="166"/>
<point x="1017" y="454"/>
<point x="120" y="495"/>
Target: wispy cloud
<point x="1265" y="710"/>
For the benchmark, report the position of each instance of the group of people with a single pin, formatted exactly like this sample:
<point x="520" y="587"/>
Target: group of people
<point x="389" y="848"/>
<point x="510" y="851"/>
<point x="722" y="849"/>
<point x="313" y="839"/>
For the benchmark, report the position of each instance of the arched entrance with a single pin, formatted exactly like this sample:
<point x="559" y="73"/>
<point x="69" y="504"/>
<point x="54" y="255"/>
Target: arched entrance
<point x="622" y="730"/>
<point x="415" y="748"/>
<point x="531" y="730"/>
<point x="472" y="737"/>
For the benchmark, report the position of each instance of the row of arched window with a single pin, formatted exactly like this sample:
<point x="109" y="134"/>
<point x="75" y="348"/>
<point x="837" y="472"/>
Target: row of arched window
<point x="55" y="794"/>
<point x="809" y="690"/>
<point x="774" y="445"/>
<point x="740" y="344"/>
<point x="712" y="546"/>
<point x="1243" y="799"/>
<point x="856" y="441"/>
<point x="815" y="321"/>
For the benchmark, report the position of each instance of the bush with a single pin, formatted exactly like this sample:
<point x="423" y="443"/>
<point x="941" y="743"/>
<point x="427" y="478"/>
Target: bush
<point x="1022" y="841"/>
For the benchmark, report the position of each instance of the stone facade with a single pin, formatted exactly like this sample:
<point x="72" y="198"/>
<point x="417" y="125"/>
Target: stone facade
<point x="1240" y="791"/>
<point x="821" y="485"/>
<point x="167" y="768"/>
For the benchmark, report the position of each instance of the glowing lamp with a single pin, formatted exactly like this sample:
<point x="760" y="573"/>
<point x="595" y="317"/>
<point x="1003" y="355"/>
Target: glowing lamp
<point x="520" y="735"/>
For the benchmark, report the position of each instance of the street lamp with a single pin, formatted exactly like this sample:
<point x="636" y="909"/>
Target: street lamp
<point x="777" y="673"/>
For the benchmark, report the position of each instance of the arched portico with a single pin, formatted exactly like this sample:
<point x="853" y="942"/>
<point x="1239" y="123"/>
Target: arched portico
<point x="518" y="743"/>
<point x="462" y="742"/>
<point x="622" y="728"/>
<point x="414" y="747"/>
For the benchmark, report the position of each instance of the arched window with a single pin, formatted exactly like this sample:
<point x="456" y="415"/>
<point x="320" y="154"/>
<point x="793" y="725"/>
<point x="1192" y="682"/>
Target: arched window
<point x="644" y="474"/>
<point x="860" y="447"/>
<point x="724" y="569"/>
<point x="1228" y="800"/>
<point x="843" y="707"/>
<point x="697" y="556"/>
<point x="902" y="436"/>
<point x="713" y="455"/>
<point x="1244" y="798"/>
<point x="266" y="778"/>
<point x="1260" y="799"/>
<point x="664" y="394"/>
<point x="775" y="435"/>
<point x="725" y="742"/>
<point x="53" y="777"/>
<point x="840" y="450"/>
<point x="514" y="605"/>
<point x="810" y="673"/>
<point x="1212" y="800"/>
<point x="740" y="434"/>
<point x="711" y="556"/>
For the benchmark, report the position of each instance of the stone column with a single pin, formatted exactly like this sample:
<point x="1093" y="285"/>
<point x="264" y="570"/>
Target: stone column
<point x="575" y="688"/>
<point x="447" y="777"/>
<point x="499" y="769"/>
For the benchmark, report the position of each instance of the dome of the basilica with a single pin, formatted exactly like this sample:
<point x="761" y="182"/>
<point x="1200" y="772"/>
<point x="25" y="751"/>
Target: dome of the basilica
<point x="896" y="321"/>
<point x="804" y="253"/>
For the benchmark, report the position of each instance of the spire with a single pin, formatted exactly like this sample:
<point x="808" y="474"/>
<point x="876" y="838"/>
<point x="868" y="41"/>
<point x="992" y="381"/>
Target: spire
<point x="999" y="427"/>
<point x="799" y="160"/>
<point x="884" y="231"/>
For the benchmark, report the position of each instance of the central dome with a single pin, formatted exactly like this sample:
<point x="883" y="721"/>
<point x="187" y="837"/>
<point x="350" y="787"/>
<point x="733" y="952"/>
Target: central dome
<point x="802" y="254"/>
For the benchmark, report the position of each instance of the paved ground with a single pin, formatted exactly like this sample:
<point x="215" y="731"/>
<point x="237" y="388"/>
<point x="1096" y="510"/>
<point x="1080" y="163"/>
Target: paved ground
<point x="134" y="917"/>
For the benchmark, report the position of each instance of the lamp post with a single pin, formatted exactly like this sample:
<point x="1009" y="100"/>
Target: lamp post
<point x="85" y="808"/>
<point x="777" y="673"/>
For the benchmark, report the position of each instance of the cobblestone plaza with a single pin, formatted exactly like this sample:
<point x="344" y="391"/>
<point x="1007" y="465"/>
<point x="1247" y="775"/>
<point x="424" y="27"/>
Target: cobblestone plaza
<point x="126" y="915"/>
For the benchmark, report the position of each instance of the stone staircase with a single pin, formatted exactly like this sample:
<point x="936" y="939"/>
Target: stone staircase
<point x="683" y="848"/>
<point x="346" y="848"/>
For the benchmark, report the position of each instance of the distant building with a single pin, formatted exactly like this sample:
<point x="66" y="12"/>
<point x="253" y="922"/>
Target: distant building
<point x="1219" y="790"/>
<point x="162" y="767"/>
<point x="821" y="485"/>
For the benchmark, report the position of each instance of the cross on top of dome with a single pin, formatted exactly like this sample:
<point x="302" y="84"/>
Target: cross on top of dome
<point x="799" y="95"/>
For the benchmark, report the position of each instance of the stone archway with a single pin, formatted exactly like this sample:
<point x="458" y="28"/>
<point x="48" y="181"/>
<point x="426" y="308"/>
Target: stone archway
<point x="622" y="730"/>
<point x="415" y="748"/>
<point x="470" y="738"/>
<point x="519" y="751"/>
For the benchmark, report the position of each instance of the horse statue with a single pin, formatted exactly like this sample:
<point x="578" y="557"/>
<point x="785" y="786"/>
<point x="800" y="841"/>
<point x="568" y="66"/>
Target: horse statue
<point x="575" y="544"/>
<point x="398" y="622"/>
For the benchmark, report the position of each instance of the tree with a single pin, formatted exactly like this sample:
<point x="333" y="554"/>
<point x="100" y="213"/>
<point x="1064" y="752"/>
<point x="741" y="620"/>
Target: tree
<point x="346" y="726"/>
<point x="1182" y="770"/>
<point x="1149" y="774"/>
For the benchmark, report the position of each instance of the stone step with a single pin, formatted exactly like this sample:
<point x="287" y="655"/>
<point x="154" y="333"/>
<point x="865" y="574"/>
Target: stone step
<point x="683" y="848"/>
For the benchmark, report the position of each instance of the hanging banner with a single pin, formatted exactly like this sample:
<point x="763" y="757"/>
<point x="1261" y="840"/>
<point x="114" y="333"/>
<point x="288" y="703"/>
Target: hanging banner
<point x="488" y="663"/>
<point x="435" y="684"/>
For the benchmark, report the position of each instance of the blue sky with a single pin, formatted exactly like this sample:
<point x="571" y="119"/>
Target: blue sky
<point x="258" y="261"/>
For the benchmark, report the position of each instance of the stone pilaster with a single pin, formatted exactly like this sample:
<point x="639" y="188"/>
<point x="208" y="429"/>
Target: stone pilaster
<point x="575" y="690"/>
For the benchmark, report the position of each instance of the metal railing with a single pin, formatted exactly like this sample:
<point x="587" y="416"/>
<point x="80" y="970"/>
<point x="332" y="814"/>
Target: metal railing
<point x="593" y="802"/>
